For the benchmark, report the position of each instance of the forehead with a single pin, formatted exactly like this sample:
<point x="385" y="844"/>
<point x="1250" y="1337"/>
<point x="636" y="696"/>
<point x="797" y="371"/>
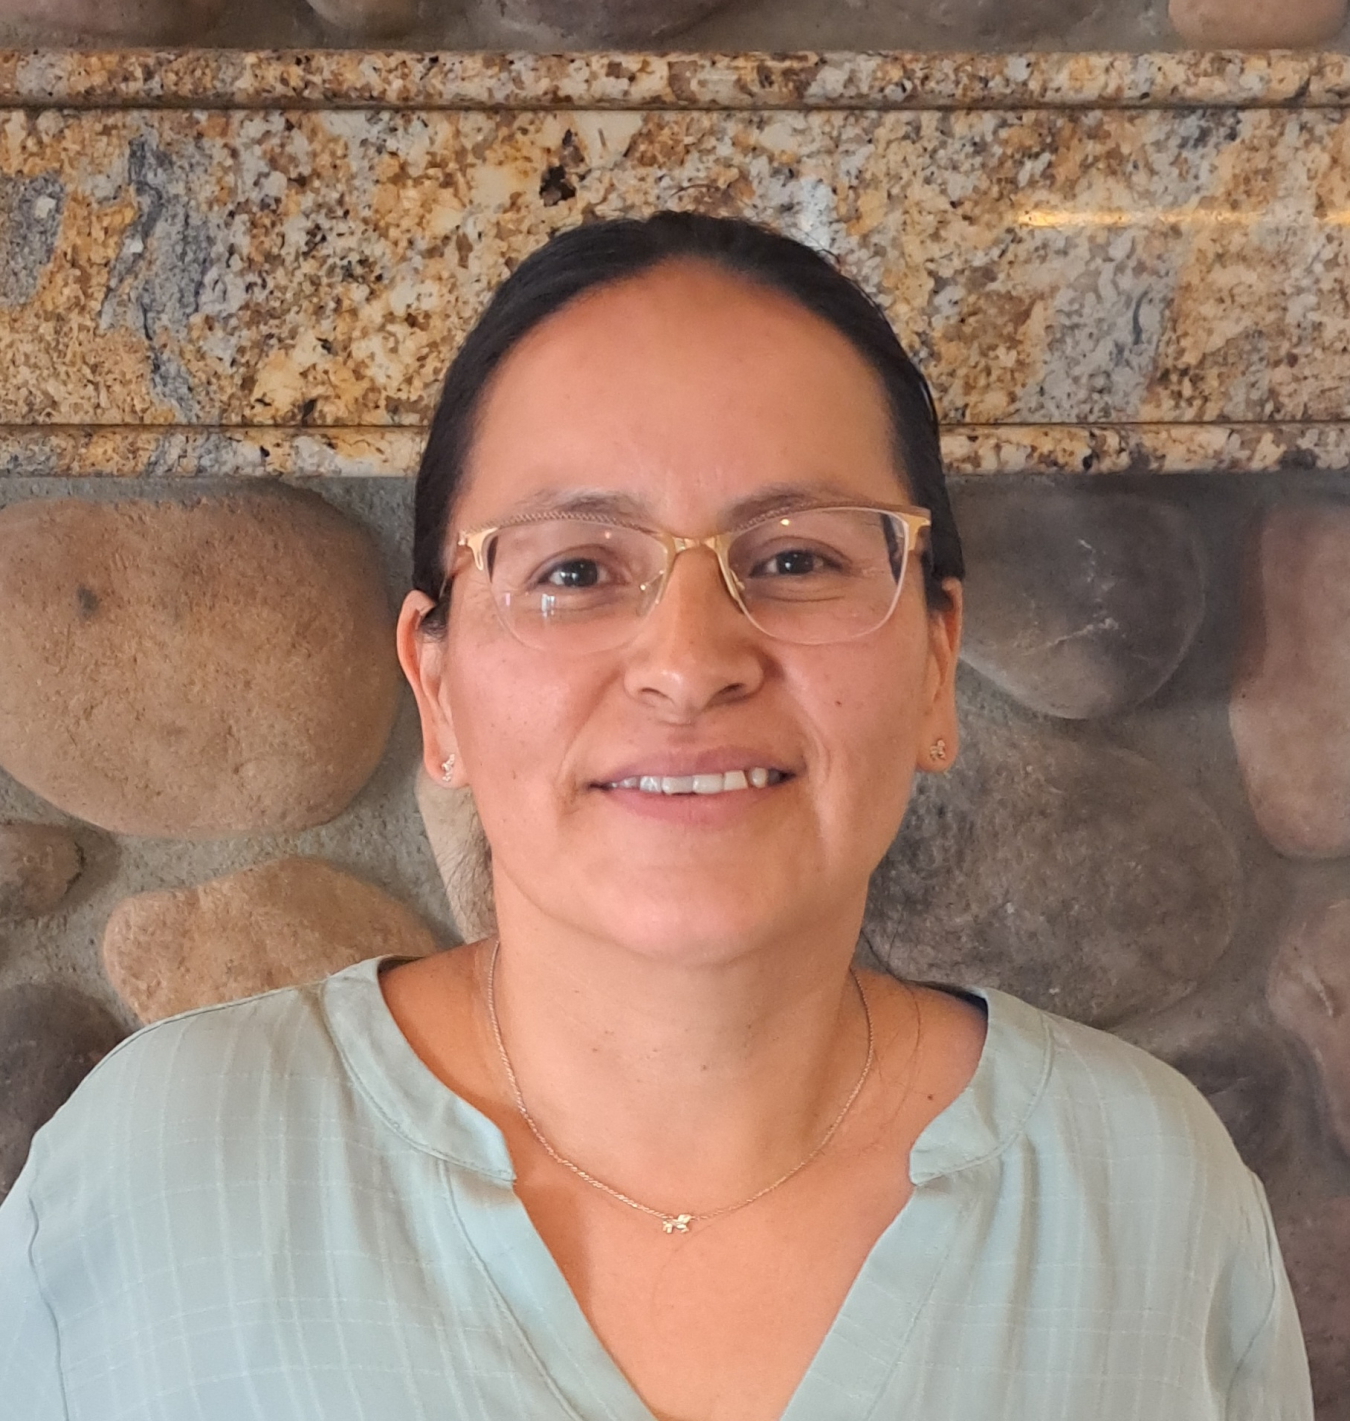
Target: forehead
<point x="688" y="391"/>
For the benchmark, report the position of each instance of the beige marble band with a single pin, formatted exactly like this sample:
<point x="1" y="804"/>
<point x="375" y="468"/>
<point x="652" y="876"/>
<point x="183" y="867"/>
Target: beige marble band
<point x="231" y="79"/>
<point x="233" y="264"/>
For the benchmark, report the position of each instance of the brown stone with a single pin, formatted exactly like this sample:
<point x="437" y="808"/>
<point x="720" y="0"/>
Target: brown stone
<point x="461" y="851"/>
<point x="1290" y="708"/>
<point x="1078" y="876"/>
<point x="368" y="19"/>
<point x="280" y="924"/>
<point x="131" y="20"/>
<point x="1315" y="1243"/>
<point x="596" y="22"/>
<point x="50" y="1038"/>
<point x="1309" y="993"/>
<point x="38" y="863"/>
<point x="193" y="670"/>
<point x="1256" y="24"/>
<point x="1078" y="604"/>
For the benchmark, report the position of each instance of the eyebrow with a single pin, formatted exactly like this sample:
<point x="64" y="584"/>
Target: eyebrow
<point x="582" y="502"/>
<point x="605" y="503"/>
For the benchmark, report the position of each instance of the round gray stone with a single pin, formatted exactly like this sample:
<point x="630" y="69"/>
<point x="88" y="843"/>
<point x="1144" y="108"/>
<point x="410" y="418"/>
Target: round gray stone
<point x="50" y="1038"/>
<point x="1315" y="1243"/>
<point x="1001" y="22"/>
<point x="1290" y="706"/>
<point x="1309" y="994"/>
<point x="367" y="19"/>
<point x="279" y="924"/>
<point x="1081" y="878"/>
<point x="193" y="670"/>
<point x="1244" y="1076"/>
<point x="596" y="22"/>
<point x="1078" y="604"/>
<point x="127" y="20"/>
<point x="38" y="863"/>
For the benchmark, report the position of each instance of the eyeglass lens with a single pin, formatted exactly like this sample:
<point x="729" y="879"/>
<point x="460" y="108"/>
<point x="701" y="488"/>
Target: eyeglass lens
<point x="815" y="576"/>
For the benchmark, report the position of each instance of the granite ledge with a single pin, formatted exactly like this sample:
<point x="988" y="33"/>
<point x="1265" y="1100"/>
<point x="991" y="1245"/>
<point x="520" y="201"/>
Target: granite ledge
<point x="236" y="79"/>
<point x="179" y="451"/>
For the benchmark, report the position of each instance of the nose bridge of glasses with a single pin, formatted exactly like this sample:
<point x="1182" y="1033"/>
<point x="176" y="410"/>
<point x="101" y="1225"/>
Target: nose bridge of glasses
<point x="716" y="544"/>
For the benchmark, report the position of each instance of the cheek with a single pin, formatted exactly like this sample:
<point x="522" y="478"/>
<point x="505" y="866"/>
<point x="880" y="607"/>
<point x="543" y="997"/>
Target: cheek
<point x="515" y="713"/>
<point x="867" y="711"/>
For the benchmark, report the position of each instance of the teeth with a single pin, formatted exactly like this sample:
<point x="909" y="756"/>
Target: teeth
<point x="757" y="778"/>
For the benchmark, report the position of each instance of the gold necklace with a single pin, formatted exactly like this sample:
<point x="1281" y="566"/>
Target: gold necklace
<point x="675" y="1223"/>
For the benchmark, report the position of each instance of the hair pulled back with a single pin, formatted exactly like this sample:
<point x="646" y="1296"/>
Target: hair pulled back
<point x="600" y="253"/>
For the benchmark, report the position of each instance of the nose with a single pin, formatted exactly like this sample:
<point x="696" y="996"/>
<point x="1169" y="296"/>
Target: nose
<point x="696" y="649"/>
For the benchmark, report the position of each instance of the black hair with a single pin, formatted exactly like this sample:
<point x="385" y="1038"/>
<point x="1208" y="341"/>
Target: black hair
<point x="600" y="253"/>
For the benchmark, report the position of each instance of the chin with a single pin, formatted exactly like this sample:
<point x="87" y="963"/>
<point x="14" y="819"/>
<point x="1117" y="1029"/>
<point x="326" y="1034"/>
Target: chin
<point x="691" y="919"/>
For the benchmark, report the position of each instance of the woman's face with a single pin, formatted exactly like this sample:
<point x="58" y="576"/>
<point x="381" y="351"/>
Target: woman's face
<point x="686" y="395"/>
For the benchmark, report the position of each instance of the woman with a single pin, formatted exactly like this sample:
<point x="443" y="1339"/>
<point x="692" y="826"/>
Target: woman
<point x="687" y="616"/>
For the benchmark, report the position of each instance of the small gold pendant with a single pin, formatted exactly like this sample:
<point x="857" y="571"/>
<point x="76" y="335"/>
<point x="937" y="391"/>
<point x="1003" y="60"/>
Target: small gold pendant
<point x="677" y="1223"/>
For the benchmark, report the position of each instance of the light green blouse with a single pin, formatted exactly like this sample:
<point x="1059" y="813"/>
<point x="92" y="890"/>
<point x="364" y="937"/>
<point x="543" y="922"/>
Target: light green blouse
<point x="273" y="1210"/>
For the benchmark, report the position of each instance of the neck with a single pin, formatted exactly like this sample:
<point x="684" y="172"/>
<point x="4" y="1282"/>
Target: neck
<point x="683" y="1083"/>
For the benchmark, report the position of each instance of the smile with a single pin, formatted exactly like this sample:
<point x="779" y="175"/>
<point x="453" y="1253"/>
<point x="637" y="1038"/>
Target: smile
<point x="757" y="778"/>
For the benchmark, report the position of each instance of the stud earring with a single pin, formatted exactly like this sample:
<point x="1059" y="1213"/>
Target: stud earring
<point x="938" y="751"/>
<point x="447" y="769"/>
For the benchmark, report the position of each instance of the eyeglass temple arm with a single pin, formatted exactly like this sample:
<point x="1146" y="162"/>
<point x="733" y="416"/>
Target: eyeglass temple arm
<point x="477" y="542"/>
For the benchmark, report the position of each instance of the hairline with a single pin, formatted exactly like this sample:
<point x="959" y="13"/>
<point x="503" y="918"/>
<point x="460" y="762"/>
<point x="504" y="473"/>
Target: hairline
<point x="709" y="261"/>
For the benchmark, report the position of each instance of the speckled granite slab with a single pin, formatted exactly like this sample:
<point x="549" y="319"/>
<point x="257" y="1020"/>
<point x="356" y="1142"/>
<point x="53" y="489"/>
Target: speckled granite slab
<point x="222" y="263"/>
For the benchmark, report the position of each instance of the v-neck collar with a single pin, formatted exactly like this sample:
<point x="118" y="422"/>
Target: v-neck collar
<point x="867" y="1338"/>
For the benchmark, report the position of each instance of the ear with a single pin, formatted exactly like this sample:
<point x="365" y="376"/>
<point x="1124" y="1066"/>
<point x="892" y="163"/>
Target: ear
<point x="422" y="656"/>
<point x="939" y="733"/>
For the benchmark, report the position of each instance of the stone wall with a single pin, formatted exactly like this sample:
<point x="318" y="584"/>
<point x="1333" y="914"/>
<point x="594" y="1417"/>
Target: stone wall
<point x="228" y="287"/>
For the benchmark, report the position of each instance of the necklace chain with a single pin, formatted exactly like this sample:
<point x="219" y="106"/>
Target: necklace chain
<point x="676" y="1223"/>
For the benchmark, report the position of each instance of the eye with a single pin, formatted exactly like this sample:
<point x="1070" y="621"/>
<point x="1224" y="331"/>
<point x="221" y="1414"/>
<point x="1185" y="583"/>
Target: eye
<point x="574" y="573"/>
<point x="794" y="562"/>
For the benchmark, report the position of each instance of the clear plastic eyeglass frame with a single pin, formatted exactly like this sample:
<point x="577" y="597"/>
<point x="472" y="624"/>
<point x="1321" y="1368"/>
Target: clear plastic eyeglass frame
<point x="477" y="543"/>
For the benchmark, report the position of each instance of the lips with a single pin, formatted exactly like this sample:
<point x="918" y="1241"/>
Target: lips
<point x="726" y="769"/>
<point x="723" y="782"/>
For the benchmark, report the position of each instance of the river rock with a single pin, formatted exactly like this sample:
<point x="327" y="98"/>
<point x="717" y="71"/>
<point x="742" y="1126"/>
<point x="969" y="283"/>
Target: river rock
<point x="1079" y="877"/>
<point x="1256" y="24"/>
<point x="1003" y="22"/>
<point x="1315" y="1243"/>
<point x="596" y="22"/>
<point x="1241" y="1072"/>
<point x="130" y="20"/>
<point x="1078" y="604"/>
<point x="1290" y="707"/>
<point x="38" y="863"/>
<point x="51" y="1037"/>
<point x="1309" y="993"/>
<point x="462" y="856"/>
<point x="368" y="19"/>
<point x="193" y="670"/>
<point x="280" y="924"/>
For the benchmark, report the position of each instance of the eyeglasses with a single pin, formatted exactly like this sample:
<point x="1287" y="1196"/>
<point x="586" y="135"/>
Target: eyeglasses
<point x="578" y="584"/>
